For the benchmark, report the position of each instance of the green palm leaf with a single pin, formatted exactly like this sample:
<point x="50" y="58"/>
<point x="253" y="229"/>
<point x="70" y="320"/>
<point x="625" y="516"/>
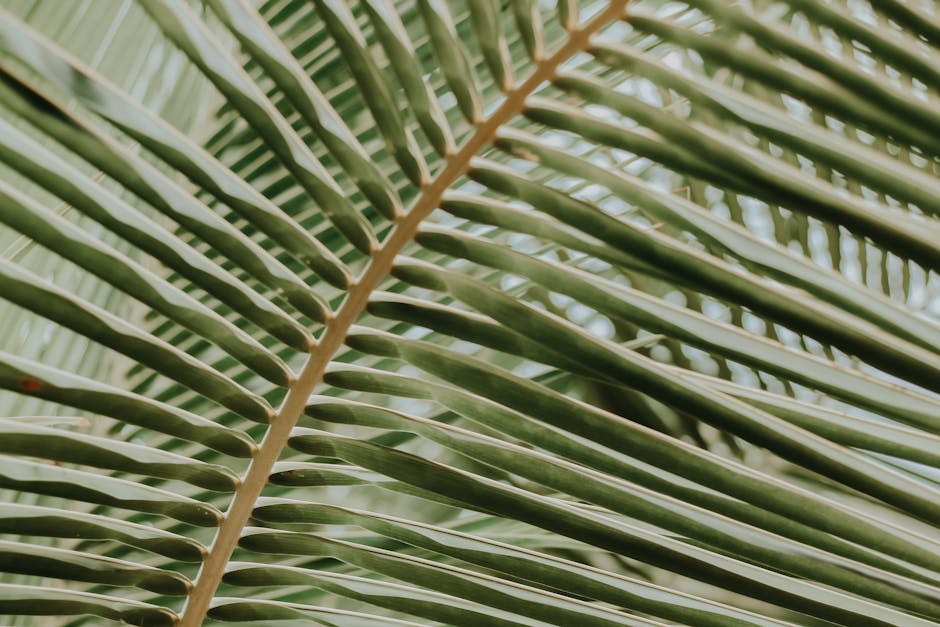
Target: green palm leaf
<point x="470" y="312"/>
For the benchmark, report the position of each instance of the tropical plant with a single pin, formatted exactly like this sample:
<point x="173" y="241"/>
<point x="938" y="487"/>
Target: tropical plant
<point x="470" y="312"/>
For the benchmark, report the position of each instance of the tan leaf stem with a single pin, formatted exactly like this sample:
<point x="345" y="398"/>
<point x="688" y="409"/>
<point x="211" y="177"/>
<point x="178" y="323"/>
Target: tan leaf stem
<point x="275" y="440"/>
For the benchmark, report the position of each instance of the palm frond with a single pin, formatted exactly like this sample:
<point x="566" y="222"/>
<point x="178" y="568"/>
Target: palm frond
<point x="467" y="312"/>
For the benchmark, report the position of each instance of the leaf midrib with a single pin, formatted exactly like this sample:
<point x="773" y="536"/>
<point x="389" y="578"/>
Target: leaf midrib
<point x="237" y="516"/>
